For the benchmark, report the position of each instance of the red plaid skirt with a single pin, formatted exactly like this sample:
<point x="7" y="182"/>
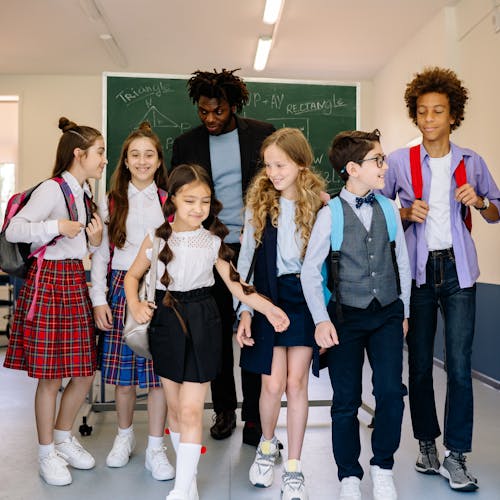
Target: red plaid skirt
<point x="60" y="341"/>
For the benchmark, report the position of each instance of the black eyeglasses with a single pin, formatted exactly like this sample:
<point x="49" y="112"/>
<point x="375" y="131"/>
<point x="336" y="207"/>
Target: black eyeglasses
<point x="380" y="159"/>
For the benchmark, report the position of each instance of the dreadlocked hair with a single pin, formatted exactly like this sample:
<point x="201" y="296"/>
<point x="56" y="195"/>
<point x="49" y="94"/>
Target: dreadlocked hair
<point x="181" y="176"/>
<point x="263" y="198"/>
<point x="219" y="85"/>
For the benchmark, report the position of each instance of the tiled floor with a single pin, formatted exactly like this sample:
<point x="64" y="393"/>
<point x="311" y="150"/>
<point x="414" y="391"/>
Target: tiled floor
<point x="223" y="470"/>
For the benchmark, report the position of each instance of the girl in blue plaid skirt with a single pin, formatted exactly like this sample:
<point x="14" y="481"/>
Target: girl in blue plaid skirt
<point x="133" y="205"/>
<point x="58" y="340"/>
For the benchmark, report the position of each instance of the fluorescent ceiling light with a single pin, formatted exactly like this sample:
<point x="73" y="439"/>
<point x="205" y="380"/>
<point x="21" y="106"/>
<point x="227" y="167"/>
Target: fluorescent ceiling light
<point x="272" y="11"/>
<point x="263" y="49"/>
<point x="9" y="98"/>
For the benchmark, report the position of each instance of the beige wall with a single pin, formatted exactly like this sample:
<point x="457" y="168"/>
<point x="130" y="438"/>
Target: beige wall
<point x="43" y="99"/>
<point x="462" y="38"/>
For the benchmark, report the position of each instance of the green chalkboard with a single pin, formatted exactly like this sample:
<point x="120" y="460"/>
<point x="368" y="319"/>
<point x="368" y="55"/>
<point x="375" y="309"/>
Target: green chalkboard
<point x="319" y="109"/>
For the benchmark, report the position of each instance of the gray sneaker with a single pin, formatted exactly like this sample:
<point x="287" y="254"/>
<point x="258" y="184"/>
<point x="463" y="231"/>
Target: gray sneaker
<point x="456" y="472"/>
<point x="428" y="458"/>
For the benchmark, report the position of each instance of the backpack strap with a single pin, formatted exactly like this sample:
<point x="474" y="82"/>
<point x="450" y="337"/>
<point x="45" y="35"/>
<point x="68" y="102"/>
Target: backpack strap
<point x="417" y="183"/>
<point x="416" y="171"/>
<point x="390" y="216"/>
<point x="336" y="238"/>
<point x="162" y="197"/>
<point x="39" y="253"/>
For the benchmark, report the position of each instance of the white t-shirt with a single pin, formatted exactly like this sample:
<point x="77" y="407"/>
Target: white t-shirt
<point x="438" y="222"/>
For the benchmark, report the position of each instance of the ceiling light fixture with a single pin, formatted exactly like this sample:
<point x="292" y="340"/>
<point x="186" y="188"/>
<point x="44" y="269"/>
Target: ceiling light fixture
<point x="272" y="11"/>
<point x="113" y="49"/>
<point x="262" y="54"/>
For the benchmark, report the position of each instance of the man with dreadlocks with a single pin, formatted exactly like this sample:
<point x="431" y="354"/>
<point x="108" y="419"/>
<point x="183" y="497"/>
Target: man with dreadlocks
<point x="228" y="146"/>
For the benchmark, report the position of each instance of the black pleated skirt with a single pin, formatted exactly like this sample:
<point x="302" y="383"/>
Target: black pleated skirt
<point x="192" y="356"/>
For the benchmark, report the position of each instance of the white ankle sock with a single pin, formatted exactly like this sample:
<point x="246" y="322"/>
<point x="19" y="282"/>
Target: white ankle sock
<point x="125" y="432"/>
<point x="60" y="436"/>
<point x="45" y="449"/>
<point x="155" y="442"/>
<point x="188" y="457"/>
<point x="175" y="437"/>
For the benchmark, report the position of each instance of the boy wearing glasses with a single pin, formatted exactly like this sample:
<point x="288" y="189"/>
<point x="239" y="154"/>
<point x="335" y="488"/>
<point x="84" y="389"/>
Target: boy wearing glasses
<point x="367" y="313"/>
<point x="437" y="184"/>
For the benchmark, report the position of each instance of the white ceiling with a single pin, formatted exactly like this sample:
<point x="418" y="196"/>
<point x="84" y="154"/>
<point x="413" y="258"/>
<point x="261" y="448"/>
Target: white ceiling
<point x="340" y="40"/>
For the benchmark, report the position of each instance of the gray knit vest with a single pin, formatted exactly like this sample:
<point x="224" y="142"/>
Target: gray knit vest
<point x="366" y="270"/>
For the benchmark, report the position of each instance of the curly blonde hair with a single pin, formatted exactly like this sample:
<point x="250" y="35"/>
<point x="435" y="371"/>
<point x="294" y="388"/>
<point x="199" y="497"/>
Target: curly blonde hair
<point x="263" y="198"/>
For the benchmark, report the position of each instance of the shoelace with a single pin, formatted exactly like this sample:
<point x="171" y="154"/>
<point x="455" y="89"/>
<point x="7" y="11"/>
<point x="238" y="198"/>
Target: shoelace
<point x="56" y="457"/>
<point x="384" y="483"/>
<point x="158" y="456"/>
<point x="266" y="460"/>
<point x="459" y="463"/>
<point x="294" y="480"/>
<point x="427" y="447"/>
<point x="77" y="446"/>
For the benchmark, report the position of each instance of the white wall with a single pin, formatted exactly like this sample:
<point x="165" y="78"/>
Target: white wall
<point x="462" y="38"/>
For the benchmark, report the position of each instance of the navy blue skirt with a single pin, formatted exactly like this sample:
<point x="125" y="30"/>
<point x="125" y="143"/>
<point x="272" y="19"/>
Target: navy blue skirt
<point x="291" y="300"/>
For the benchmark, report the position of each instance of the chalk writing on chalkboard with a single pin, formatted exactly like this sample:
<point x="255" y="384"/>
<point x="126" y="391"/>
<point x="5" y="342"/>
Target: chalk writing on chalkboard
<point x="320" y="110"/>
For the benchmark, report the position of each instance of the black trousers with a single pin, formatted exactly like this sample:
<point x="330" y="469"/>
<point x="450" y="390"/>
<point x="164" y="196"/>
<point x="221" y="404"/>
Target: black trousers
<point x="223" y="387"/>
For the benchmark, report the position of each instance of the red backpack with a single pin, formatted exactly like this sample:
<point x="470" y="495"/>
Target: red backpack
<point x="17" y="258"/>
<point x="417" y="183"/>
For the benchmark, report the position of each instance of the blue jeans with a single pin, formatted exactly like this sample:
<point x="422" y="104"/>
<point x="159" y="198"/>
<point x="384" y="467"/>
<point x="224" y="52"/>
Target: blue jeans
<point x="458" y="309"/>
<point x="378" y="330"/>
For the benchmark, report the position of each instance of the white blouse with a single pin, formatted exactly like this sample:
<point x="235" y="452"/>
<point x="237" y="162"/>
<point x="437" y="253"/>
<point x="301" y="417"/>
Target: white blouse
<point x="195" y="254"/>
<point x="37" y="221"/>
<point x="144" y="214"/>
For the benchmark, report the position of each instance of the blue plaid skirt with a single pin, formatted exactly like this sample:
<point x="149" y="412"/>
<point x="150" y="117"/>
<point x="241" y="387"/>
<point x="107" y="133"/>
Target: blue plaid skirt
<point x="119" y="364"/>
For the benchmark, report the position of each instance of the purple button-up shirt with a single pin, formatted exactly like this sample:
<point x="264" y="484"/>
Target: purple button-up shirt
<point x="398" y="182"/>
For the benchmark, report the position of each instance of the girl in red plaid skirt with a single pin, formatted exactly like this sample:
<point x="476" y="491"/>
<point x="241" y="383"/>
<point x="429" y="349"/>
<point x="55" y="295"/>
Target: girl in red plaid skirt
<point x="185" y="332"/>
<point x="133" y="205"/>
<point x="59" y="340"/>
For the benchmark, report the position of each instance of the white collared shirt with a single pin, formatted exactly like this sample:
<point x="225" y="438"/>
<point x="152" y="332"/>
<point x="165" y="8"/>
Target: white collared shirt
<point x="144" y="214"/>
<point x="38" y="221"/>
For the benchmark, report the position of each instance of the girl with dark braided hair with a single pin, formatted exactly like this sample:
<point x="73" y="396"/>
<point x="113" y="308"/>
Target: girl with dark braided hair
<point x="185" y="331"/>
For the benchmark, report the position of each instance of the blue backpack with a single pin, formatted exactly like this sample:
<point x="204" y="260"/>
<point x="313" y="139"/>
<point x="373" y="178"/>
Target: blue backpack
<point x="330" y="269"/>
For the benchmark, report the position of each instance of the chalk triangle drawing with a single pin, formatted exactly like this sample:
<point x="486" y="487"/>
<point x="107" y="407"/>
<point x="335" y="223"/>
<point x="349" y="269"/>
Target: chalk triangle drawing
<point x="158" y="119"/>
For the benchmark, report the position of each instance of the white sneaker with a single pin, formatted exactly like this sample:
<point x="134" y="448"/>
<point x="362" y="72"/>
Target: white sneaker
<point x="123" y="446"/>
<point x="75" y="454"/>
<point x="349" y="488"/>
<point x="293" y="487"/>
<point x="157" y="462"/>
<point x="383" y="484"/>
<point x="54" y="470"/>
<point x="261" y="472"/>
<point x="177" y="495"/>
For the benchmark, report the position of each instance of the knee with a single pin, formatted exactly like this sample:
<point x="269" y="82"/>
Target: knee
<point x="49" y="386"/>
<point x="125" y="390"/>
<point x="83" y="383"/>
<point x="273" y="388"/>
<point x="296" y="386"/>
<point x="189" y="416"/>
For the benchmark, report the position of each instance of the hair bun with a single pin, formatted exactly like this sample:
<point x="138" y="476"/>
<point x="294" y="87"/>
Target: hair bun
<point x="65" y="124"/>
<point x="145" y="127"/>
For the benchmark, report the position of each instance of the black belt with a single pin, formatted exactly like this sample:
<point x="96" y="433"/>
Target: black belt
<point x="447" y="252"/>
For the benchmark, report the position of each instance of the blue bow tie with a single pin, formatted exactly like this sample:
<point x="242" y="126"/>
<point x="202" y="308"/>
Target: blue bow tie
<point x="367" y="199"/>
